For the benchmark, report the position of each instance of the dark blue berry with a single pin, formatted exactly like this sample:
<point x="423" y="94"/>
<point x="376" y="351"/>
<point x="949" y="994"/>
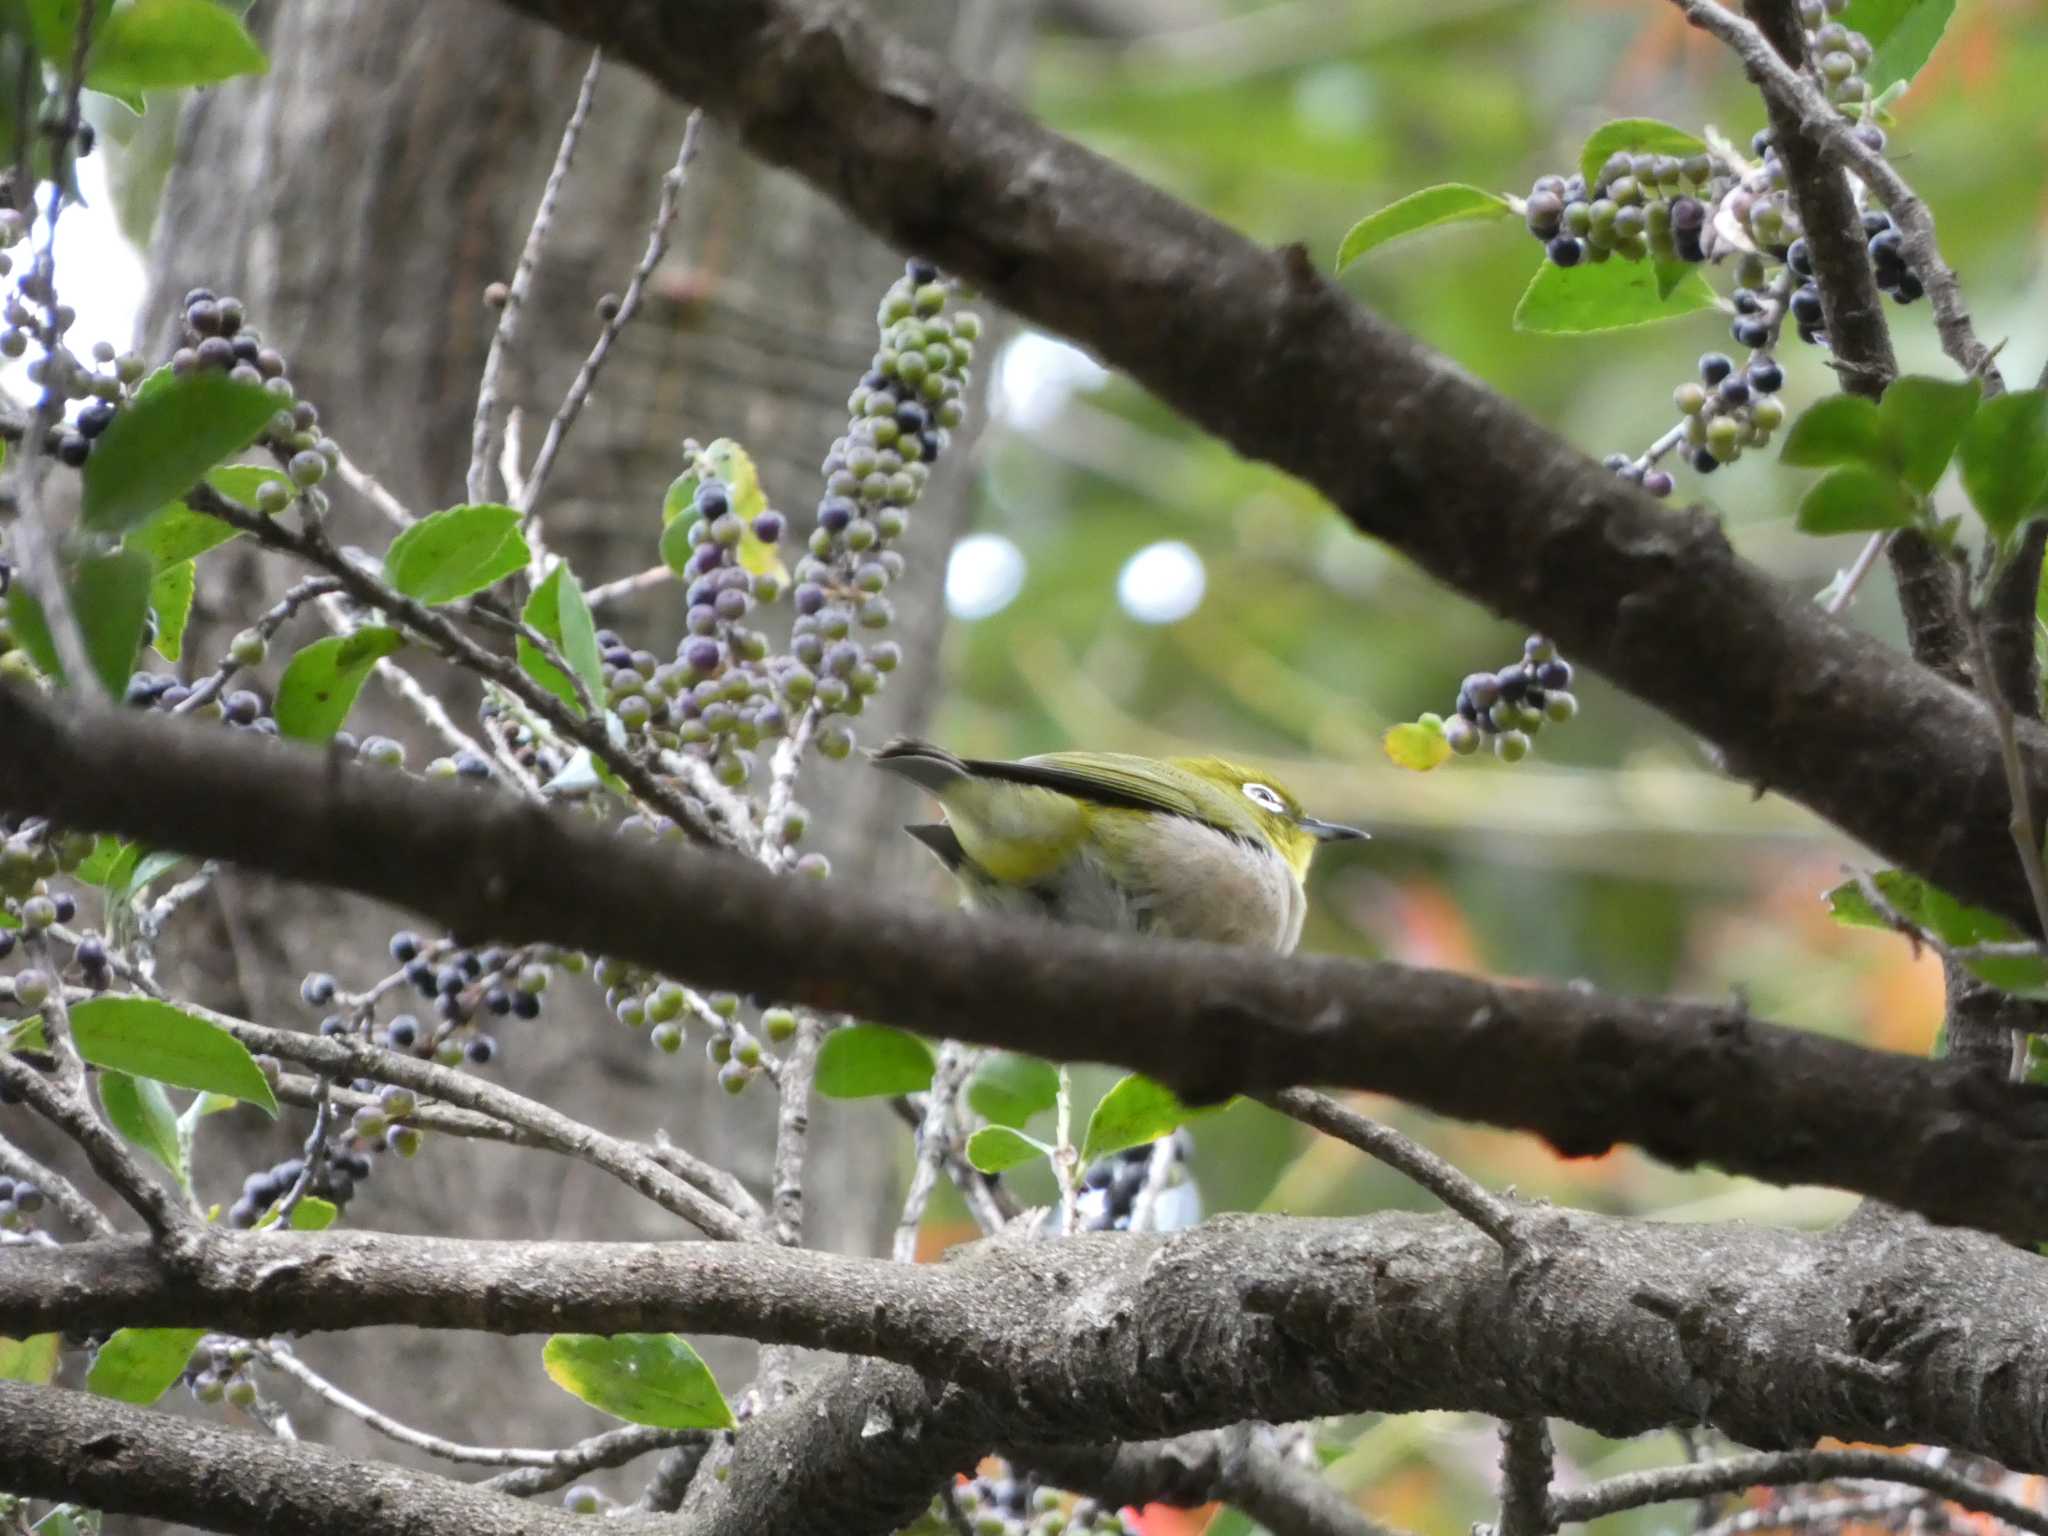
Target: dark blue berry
<point x="450" y="980"/>
<point x="1750" y="333"/>
<point x="712" y="500"/>
<point x="1555" y="674"/>
<point x="525" y="1005"/>
<point x="470" y="766"/>
<point x="1734" y="391"/>
<point x="1806" y="305"/>
<point x="1565" y="251"/>
<point x="1765" y="376"/>
<point x="1716" y="366"/>
<point x="482" y="1050"/>
<point x="1704" y="461"/>
<point x="405" y="946"/>
<point x="404" y="1032"/>
<point x="1876" y="222"/>
<point x="920" y="271"/>
<point x="1799" y="258"/>
<point x="66" y="905"/>
<point x="1514" y="682"/>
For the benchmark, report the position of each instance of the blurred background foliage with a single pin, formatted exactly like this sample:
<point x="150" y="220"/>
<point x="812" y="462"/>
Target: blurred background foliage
<point x="1615" y="853"/>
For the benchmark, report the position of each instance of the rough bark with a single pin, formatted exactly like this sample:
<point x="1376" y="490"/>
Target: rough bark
<point x="1689" y="1082"/>
<point x="359" y="197"/>
<point x="1775" y="1338"/>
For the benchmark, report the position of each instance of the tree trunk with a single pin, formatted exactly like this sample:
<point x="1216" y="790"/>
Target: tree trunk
<point x="359" y="198"/>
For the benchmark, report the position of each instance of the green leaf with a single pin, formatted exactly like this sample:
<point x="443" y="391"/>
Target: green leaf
<point x="998" y="1148"/>
<point x="1135" y="1111"/>
<point x="163" y="441"/>
<point x="110" y="600"/>
<point x="1636" y="135"/>
<point x="1839" y="429"/>
<point x="864" y="1061"/>
<point x="454" y="552"/>
<point x="2004" y="455"/>
<point x="155" y="1040"/>
<point x="33" y="1359"/>
<point x="643" y="1378"/>
<point x="320" y="684"/>
<point x="1008" y="1089"/>
<point x="170" y="599"/>
<point x="676" y="547"/>
<point x="557" y="610"/>
<point x="1451" y="203"/>
<point x="176" y="532"/>
<point x="135" y="876"/>
<point x="1856" y="499"/>
<point x="141" y="1111"/>
<point x="312" y="1214"/>
<point x="1670" y="273"/>
<point x="98" y="867"/>
<point x="680" y="497"/>
<point x="1416" y="744"/>
<point x="159" y="45"/>
<point x="139" y="1365"/>
<point x="1902" y="35"/>
<point x="1604" y="296"/>
<point x="1954" y="923"/>
<point x="1923" y="420"/>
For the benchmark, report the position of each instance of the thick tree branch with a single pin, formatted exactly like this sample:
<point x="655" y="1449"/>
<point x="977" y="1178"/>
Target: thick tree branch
<point x="1235" y="1465"/>
<point x="71" y="1445"/>
<point x="1633" y="1490"/>
<point x="1689" y="1082"/>
<point x="1256" y="347"/>
<point x="1906" y="1333"/>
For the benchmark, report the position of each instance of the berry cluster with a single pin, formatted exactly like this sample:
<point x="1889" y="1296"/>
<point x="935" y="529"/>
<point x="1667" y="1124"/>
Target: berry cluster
<point x="219" y="1372"/>
<point x="217" y="338"/>
<point x="340" y="1168"/>
<point x="1110" y="1187"/>
<point x="20" y="1200"/>
<point x="1638" y="205"/>
<point x="463" y="985"/>
<point x="1727" y="410"/>
<point x="1512" y="704"/>
<point x="1001" y="1504"/>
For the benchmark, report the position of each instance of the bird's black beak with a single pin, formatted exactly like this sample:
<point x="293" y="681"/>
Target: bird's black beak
<point x="1331" y="831"/>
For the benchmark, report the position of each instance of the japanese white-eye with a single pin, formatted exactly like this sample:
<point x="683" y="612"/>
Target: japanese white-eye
<point x="1184" y="847"/>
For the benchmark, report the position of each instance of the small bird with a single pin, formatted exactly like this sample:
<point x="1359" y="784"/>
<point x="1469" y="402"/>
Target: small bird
<point x="1183" y="847"/>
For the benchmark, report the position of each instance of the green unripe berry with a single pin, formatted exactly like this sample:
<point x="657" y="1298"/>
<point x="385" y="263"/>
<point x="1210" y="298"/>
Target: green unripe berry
<point x="1560" y="706"/>
<point x="778" y="1024"/>
<point x="667" y="1037"/>
<point x="405" y="1140"/>
<point x="308" y="467"/>
<point x="665" y="1002"/>
<point x="1724" y="438"/>
<point x="1767" y="414"/>
<point x="835" y="741"/>
<point x="1511" y="746"/>
<point x="38" y="912"/>
<point x="248" y="649"/>
<point x="31" y="988"/>
<point x="929" y="299"/>
<point x="733" y="1078"/>
<point x="1690" y="398"/>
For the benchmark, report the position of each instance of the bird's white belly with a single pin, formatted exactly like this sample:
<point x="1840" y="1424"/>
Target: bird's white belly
<point x="1198" y="884"/>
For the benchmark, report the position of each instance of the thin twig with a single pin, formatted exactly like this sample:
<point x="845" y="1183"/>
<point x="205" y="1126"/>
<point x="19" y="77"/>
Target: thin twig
<point x="1455" y="1188"/>
<point x="485" y="429"/>
<point x="626" y="586"/>
<point x="613" y="1448"/>
<point x="367" y="486"/>
<point x="1837" y="134"/>
<point x="1066" y="1158"/>
<point x="62" y="1193"/>
<point x="108" y="1154"/>
<point x="1843" y="591"/>
<point x="629" y="304"/>
<point x="793" y="1129"/>
<point x="574" y="1459"/>
<point x="1527" y="1464"/>
<point x="1633" y="1490"/>
<point x="266" y="625"/>
<point x="35" y="550"/>
<point x="1159" y="1166"/>
<point x="934" y="1136"/>
<point x="2026" y="833"/>
<point x="371" y="590"/>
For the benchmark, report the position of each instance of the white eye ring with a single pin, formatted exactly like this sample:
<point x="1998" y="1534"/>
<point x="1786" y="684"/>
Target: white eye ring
<point x="1263" y="797"/>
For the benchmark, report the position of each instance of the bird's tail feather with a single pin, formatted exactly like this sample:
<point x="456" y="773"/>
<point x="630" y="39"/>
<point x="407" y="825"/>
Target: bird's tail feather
<point x="929" y="767"/>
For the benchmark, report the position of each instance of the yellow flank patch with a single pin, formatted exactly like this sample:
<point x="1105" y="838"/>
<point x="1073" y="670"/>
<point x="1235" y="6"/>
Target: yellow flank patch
<point x="1018" y="833"/>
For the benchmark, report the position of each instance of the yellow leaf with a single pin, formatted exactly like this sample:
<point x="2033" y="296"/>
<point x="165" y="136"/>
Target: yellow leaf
<point x="1417" y="745"/>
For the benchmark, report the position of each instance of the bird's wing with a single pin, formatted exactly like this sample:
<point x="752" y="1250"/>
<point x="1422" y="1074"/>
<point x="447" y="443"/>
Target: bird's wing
<point x="1112" y="779"/>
